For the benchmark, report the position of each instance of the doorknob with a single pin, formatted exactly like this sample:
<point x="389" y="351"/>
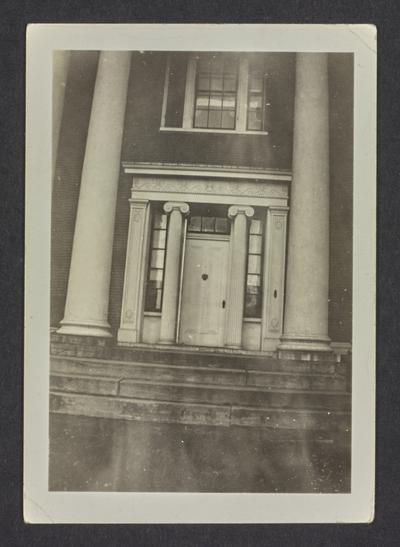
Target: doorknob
<point x="223" y="303"/>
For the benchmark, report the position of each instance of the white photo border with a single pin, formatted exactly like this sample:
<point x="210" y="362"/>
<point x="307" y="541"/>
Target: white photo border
<point x="42" y="506"/>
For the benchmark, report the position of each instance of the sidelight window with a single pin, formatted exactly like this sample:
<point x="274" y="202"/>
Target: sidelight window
<point x="155" y="274"/>
<point x="253" y="296"/>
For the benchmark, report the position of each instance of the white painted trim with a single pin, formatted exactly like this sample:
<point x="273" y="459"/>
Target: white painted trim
<point x="165" y="94"/>
<point x="183" y="254"/>
<point x="241" y="96"/>
<point x="206" y="171"/>
<point x="206" y="130"/>
<point x="188" y="108"/>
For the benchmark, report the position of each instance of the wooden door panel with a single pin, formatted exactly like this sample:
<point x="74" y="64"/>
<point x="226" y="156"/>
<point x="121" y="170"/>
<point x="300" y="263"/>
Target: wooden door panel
<point x="204" y="286"/>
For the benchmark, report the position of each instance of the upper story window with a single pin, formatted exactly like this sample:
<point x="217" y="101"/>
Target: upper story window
<point x="217" y="92"/>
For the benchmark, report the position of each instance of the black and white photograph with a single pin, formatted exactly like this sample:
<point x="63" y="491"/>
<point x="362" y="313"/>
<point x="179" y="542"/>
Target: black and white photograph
<point x="203" y="267"/>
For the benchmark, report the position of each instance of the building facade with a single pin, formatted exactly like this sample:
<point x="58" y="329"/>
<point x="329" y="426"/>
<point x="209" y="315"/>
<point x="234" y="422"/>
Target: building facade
<point x="204" y="200"/>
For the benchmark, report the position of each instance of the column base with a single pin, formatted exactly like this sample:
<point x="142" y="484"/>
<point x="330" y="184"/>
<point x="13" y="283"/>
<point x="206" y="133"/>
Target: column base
<point x="127" y="336"/>
<point x="101" y="330"/>
<point x="306" y="348"/>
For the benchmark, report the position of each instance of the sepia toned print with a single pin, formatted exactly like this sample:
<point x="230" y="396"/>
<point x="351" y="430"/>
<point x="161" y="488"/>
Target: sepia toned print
<point x="201" y="272"/>
<point x="200" y="269"/>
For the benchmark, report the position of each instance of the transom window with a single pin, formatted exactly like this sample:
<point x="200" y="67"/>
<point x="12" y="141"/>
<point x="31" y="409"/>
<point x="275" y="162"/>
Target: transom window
<point x="208" y="219"/>
<point x="155" y="273"/>
<point x="216" y="92"/>
<point x="253" y="297"/>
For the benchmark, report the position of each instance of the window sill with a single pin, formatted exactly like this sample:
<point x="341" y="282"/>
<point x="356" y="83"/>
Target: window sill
<point x="152" y="313"/>
<point x="252" y="319"/>
<point x="201" y="130"/>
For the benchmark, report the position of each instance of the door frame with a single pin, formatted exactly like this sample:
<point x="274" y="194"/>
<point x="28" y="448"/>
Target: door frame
<point x="199" y="236"/>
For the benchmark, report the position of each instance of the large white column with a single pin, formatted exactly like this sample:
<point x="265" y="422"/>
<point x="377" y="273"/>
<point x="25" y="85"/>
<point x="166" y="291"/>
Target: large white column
<point x="61" y="60"/>
<point x="86" y="309"/>
<point x="237" y="279"/>
<point x="169" y="314"/>
<point x="307" y="280"/>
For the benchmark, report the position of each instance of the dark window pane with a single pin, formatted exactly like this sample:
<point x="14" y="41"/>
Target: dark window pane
<point x="253" y="305"/>
<point x="230" y="65"/>
<point x="159" y="237"/>
<point x="221" y="225"/>
<point x="158" y="299"/>
<point x="216" y="63"/>
<point x="216" y="83"/>
<point x="228" y="119"/>
<point x="208" y="224"/>
<point x="204" y="82"/>
<point x="200" y="118"/>
<point x="203" y="63"/>
<point x="153" y="297"/>
<point x="255" y="102"/>
<point x="229" y="84"/>
<point x="256" y="84"/>
<point x="214" y="119"/>
<point x="254" y="121"/>
<point x="194" y="224"/>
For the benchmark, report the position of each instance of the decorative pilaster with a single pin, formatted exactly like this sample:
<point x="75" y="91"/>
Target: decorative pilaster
<point x="86" y="308"/>
<point x="307" y="281"/>
<point x="135" y="266"/>
<point x="176" y="211"/>
<point x="237" y="279"/>
<point x="274" y="276"/>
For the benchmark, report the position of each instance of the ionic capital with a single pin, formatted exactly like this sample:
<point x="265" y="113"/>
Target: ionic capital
<point x="180" y="206"/>
<point x="235" y="210"/>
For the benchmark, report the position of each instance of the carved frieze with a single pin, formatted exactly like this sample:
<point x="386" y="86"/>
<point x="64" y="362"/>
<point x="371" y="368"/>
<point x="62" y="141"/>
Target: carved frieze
<point x="263" y="189"/>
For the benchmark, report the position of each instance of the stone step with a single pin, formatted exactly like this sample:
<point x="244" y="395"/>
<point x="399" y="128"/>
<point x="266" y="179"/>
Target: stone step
<point x="204" y="375"/>
<point x="239" y="395"/>
<point x="302" y="421"/>
<point x="68" y="346"/>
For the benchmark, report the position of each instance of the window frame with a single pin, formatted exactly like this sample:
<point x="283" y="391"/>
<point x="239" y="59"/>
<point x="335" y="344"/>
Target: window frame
<point x="190" y="95"/>
<point x="154" y="212"/>
<point x="261" y="274"/>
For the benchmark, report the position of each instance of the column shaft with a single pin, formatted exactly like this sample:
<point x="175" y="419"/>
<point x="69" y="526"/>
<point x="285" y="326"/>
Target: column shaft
<point x="237" y="281"/>
<point x="172" y="270"/>
<point x="307" y="281"/>
<point x="86" y="308"/>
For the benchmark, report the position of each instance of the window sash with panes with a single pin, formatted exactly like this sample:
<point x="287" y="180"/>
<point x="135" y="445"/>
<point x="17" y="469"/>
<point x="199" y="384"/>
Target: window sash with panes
<point x="258" y="106"/>
<point x="253" y="295"/>
<point x="155" y="273"/>
<point x="216" y="92"/>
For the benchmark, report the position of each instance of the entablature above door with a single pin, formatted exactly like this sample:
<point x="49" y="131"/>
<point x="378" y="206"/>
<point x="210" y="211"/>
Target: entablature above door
<point x="209" y="184"/>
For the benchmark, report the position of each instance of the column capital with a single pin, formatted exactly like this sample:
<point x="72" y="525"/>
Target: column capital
<point x="235" y="210"/>
<point x="180" y="206"/>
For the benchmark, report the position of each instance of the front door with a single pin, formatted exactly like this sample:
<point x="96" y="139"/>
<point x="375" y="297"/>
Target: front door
<point x="204" y="291"/>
